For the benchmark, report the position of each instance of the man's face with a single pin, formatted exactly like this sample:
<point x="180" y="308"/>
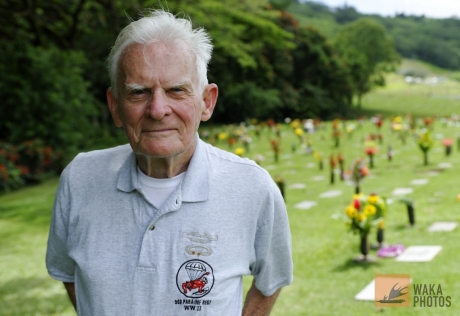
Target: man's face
<point x="159" y="103"/>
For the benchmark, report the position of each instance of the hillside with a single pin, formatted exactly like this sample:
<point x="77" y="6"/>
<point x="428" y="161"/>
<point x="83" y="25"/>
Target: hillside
<point x="436" y="41"/>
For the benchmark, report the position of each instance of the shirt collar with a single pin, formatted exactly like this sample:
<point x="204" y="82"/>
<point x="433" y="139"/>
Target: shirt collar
<point x="194" y="188"/>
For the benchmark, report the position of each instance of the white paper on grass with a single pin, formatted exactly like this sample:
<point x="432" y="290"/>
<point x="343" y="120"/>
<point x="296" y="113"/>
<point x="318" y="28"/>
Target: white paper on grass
<point x="419" y="254"/>
<point x="305" y="205"/>
<point x="442" y="227"/>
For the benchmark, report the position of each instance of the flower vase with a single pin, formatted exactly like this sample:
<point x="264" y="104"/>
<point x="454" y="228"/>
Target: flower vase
<point x="364" y="249"/>
<point x="371" y="161"/>
<point x="380" y="237"/>
<point x="364" y="245"/>
<point x="410" y="213"/>
<point x="425" y="158"/>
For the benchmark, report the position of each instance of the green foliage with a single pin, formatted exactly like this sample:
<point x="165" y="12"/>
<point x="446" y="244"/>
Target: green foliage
<point x="436" y="41"/>
<point x="28" y="163"/>
<point x="368" y="52"/>
<point x="425" y="141"/>
<point x="321" y="79"/>
<point x="44" y="96"/>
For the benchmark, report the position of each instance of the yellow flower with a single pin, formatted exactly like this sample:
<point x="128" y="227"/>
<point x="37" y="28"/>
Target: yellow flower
<point x="397" y="127"/>
<point x="295" y="123"/>
<point x="373" y="199"/>
<point x="382" y="224"/>
<point x="370" y="210"/>
<point x="397" y="119"/>
<point x="358" y="196"/>
<point x="223" y="136"/>
<point x="351" y="211"/>
<point x="298" y="131"/>
<point x="317" y="155"/>
<point x="239" y="151"/>
<point x="361" y="217"/>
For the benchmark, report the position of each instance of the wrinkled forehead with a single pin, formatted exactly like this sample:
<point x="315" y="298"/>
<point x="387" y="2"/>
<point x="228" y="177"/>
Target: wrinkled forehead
<point x="156" y="51"/>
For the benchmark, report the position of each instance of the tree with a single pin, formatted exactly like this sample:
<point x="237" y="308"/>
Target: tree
<point x="44" y="96"/>
<point x="241" y="31"/>
<point x="312" y="80"/>
<point x="368" y="52"/>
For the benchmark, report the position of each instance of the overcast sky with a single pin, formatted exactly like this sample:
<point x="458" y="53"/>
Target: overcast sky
<point x="430" y="8"/>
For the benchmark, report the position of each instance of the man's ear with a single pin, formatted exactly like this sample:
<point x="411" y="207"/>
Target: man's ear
<point x="210" y="93"/>
<point x="113" y="107"/>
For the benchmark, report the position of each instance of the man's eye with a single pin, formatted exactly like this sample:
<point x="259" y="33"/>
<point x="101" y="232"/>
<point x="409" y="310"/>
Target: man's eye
<point x="138" y="92"/>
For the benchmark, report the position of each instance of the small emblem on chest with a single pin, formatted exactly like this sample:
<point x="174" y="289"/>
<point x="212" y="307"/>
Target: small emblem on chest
<point x="199" y="238"/>
<point x="195" y="278"/>
<point x="197" y="250"/>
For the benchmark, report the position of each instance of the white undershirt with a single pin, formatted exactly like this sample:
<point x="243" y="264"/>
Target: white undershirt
<point x="157" y="191"/>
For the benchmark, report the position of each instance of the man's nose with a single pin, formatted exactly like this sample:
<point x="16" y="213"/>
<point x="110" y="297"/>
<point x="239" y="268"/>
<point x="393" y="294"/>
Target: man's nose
<point x="158" y="106"/>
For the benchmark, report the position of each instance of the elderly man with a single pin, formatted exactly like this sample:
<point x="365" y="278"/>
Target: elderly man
<point x="167" y="224"/>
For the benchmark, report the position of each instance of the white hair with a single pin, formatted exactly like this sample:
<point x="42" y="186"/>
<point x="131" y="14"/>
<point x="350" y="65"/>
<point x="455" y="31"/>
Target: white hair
<point x="162" y="26"/>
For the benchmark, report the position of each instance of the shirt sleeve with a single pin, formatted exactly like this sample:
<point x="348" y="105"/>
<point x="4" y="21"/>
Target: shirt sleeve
<point x="273" y="267"/>
<point x="58" y="262"/>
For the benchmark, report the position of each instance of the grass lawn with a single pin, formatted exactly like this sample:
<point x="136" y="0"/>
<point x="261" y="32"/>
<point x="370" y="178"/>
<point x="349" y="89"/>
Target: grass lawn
<point x="326" y="277"/>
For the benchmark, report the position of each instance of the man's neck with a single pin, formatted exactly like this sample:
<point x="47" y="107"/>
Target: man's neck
<point x="165" y="167"/>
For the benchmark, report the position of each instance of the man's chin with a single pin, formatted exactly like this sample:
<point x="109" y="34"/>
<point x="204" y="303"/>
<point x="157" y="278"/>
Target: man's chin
<point x="158" y="150"/>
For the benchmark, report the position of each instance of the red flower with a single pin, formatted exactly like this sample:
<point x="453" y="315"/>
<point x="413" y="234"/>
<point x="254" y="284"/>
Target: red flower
<point x="447" y="142"/>
<point x="357" y="204"/>
<point x="371" y="151"/>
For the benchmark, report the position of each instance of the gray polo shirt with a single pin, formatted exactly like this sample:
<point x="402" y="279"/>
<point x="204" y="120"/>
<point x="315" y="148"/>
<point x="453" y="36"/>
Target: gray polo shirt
<point x="226" y="219"/>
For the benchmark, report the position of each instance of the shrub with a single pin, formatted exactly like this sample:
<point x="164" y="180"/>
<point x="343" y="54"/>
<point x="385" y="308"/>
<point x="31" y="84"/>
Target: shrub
<point x="29" y="162"/>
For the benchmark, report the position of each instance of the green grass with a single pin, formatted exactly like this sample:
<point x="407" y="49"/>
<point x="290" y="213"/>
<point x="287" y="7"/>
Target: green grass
<point x="399" y="97"/>
<point x="25" y="288"/>
<point x="326" y="277"/>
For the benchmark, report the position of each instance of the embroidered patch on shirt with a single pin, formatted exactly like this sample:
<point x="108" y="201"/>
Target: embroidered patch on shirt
<point x="199" y="238"/>
<point x="197" y="250"/>
<point x="195" y="278"/>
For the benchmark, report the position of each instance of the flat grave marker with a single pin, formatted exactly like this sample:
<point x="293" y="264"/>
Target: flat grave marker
<point x="368" y="293"/>
<point x="331" y="194"/>
<point x="419" y="254"/>
<point x="402" y="191"/>
<point x="442" y="227"/>
<point x="297" y="186"/>
<point x="305" y="205"/>
<point x="419" y="181"/>
<point x="445" y="165"/>
<point x="318" y="178"/>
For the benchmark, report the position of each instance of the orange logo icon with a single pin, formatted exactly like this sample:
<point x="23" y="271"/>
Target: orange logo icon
<point x="392" y="290"/>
